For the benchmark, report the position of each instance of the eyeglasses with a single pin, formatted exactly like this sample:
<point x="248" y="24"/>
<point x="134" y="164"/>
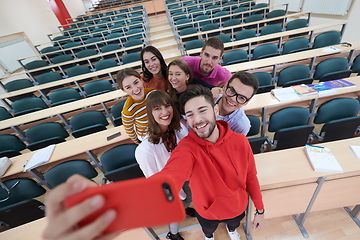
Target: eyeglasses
<point x="230" y="92"/>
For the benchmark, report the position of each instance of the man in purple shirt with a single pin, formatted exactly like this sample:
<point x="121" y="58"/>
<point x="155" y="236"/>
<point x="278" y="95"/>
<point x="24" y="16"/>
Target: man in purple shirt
<point x="206" y="67"/>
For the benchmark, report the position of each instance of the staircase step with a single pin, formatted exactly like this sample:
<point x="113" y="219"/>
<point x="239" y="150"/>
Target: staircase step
<point x="161" y="37"/>
<point x="166" y="45"/>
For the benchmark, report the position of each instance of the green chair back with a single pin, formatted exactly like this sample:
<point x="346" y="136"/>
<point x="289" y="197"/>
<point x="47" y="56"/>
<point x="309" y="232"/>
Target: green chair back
<point x="4" y="114"/>
<point x="78" y="70"/>
<point x="64" y="96"/>
<point x="296" y="45"/>
<point x="295" y="24"/>
<point x="336" y="109"/>
<point x="288" y="117"/>
<point x="188" y="31"/>
<point x="60" y="173"/>
<point x="131" y="57"/>
<point x="235" y="56"/>
<point x="276" y="13"/>
<point x="265" y="50"/>
<point x="48" y="77"/>
<point x="116" y="111"/>
<point x="45" y="131"/>
<point x="355" y="68"/>
<point x="61" y="58"/>
<point x="135" y="33"/>
<point x="327" y="39"/>
<point x="88" y="118"/>
<point x="86" y="53"/>
<point x="255" y="125"/>
<point x="27" y="105"/>
<point x="119" y="156"/>
<point x="264" y="78"/>
<point x="97" y="87"/>
<point x="194" y="44"/>
<point x="25" y="189"/>
<point x="270" y="29"/>
<point x="330" y="65"/>
<point x="10" y="145"/>
<point x="295" y="72"/>
<point x="244" y="34"/>
<point x="36" y="64"/>
<point x="18" y="84"/>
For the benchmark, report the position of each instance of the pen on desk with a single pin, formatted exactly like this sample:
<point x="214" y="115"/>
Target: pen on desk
<point x="25" y="163"/>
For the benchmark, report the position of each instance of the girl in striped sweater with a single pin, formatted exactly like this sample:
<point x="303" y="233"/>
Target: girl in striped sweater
<point x="134" y="115"/>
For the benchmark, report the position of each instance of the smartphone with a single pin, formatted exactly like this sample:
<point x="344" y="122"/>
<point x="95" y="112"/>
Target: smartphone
<point x="139" y="202"/>
<point x="111" y="137"/>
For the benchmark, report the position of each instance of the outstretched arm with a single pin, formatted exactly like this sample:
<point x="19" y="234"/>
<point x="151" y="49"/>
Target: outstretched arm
<point x="62" y="222"/>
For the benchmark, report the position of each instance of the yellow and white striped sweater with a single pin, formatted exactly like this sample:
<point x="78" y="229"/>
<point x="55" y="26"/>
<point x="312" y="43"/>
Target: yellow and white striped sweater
<point x="134" y="117"/>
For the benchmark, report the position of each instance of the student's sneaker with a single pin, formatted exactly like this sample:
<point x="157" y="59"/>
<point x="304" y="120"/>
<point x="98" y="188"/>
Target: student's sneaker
<point x="233" y="235"/>
<point x="206" y="238"/>
<point x="174" y="236"/>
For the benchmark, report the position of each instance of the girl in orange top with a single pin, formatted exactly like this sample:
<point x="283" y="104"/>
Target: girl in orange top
<point x="154" y="68"/>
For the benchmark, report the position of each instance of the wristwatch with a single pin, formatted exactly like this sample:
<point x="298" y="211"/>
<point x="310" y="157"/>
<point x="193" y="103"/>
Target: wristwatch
<point x="260" y="212"/>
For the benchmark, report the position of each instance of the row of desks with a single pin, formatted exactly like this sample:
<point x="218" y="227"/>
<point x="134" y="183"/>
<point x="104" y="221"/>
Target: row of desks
<point x="312" y="54"/>
<point x="280" y="35"/>
<point x="86" y="146"/>
<point x="260" y="104"/>
<point x="53" y="66"/>
<point x="244" y="25"/>
<point x="288" y="183"/>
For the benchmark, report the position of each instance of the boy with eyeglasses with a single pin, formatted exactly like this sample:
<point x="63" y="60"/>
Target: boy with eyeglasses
<point x="237" y="92"/>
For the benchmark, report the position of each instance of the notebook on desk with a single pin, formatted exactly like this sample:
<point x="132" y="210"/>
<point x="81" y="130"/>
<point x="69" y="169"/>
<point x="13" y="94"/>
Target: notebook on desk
<point x="322" y="160"/>
<point x="40" y="157"/>
<point x="285" y="94"/>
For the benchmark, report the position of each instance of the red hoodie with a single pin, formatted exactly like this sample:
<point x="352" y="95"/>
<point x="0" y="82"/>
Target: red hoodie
<point x="220" y="174"/>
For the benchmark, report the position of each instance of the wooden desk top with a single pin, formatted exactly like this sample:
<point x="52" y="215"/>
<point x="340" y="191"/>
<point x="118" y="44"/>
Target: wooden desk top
<point x="267" y="100"/>
<point x="53" y="66"/>
<point x="61" y="51"/>
<point x="269" y="36"/>
<point x="267" y="20"/>
<point x="318" y="52"/>
<point x="67" y="107"/>
<point x="291" y="167"/>
<point x="68" y="80"/>
<point x="70" y="148"/>
<point x="34" y="230"/>
<point x="232" y="68"/>
<point x="75" y="22"/>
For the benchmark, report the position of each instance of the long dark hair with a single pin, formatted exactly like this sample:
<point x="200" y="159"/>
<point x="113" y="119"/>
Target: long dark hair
<point x="158" y="98"/>
<point x="186" y="68"/>
<point x="147" y="74"/>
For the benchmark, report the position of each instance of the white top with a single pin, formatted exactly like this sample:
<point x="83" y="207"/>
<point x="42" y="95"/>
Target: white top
<point x="152" y="158"/>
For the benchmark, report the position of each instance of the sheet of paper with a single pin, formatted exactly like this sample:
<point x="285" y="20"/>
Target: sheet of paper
<point x="331" y="49"/>
<point x="356" y="150"/>
<point x="40" y="157"/>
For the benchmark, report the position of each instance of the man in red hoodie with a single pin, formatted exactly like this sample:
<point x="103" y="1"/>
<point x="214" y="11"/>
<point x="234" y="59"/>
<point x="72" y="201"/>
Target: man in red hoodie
<point x="218" y="163"/>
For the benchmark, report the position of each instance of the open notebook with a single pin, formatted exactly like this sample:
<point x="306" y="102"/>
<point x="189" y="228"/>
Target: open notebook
<point x="40" y="157"/>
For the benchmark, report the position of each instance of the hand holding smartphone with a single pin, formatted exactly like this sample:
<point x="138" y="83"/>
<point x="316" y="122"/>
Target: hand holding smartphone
<point x="138" y="202"/>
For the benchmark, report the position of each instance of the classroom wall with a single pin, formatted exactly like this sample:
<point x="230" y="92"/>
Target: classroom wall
<point x="352" y="32"/>
<point x="353" y="17"/>
<point x="74" y="7"/>
<point x="34" y="17"/>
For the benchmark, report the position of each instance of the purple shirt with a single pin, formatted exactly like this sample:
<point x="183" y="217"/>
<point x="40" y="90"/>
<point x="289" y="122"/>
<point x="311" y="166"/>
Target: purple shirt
<point x="218" y="74"/>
